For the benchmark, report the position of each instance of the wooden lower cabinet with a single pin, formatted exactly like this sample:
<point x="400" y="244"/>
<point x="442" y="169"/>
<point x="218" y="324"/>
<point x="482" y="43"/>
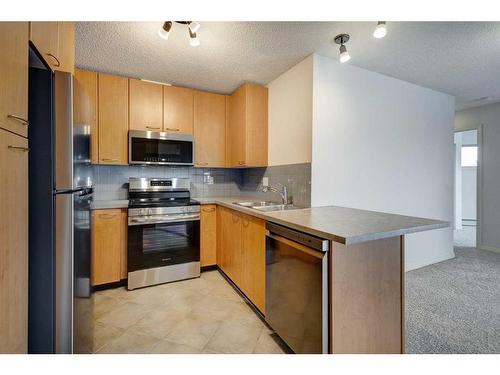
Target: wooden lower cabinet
<point x="208" y="241"/>
<point x="13" y="243"/>
<point x="109" y="244"/>
<point x="241" y="252"/>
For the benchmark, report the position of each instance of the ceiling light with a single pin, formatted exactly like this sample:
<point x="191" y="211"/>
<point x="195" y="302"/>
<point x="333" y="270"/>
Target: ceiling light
<point x="381" y="30"/>
<point x="165" y="30"/>
<point x="194" y="41"/>
<point x="342" y="39"/>
<point x="194" y="26"/>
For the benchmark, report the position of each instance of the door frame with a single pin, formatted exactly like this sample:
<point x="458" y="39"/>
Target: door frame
<point x="479" y="178"/>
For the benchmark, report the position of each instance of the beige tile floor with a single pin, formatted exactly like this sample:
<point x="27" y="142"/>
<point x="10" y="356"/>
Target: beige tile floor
<point x="203" y="315"/>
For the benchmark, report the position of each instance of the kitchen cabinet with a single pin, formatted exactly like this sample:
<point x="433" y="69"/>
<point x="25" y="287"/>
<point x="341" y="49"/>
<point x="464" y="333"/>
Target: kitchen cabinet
<point x="229" y="243"/>
<point x="208" y="241"/>
<point x="253" y="278"/>
<point x="13" y="243"/>
<point x="146" y="105"/>
<point x="113" y="119"/>
<point x="85" y="108"/>
<point x="55" y="41"/>
<point x="108" y="246"/>
<point x="14" y="73"/>
<point x="66" y="43"/>
<point x="241" y="252"/>
<point x="178" y="109"/>
<point x="247" y="126"/>
<point x="209" y="129"/>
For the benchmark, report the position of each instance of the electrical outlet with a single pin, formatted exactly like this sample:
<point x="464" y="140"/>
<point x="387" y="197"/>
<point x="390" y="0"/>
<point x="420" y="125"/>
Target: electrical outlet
<point x="265" y="181"/>
<point x="207" y="179"/>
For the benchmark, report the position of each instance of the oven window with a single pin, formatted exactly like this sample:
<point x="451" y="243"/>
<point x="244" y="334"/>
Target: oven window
<point x="164" y="151"/>
<point x="161" y="238"/>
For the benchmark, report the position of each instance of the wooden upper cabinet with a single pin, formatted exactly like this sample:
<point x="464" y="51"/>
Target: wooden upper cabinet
<point x="85" y="107"/>
<point x="14" y="73"/>
<point x="45" y="37"/>
<point x="55" y="41"/>
<point x="13" y="242"/>
<point x="248" y="126"/>
<point x="209" y="129"/>
<point x="113" y="119"/>
<point x="66" y="43"/>
<point x="146" y="103"/>
<point x="177" y="109"/>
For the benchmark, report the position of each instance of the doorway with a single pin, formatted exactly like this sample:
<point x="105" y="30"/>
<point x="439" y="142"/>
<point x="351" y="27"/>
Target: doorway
<point x="466" y="223"/>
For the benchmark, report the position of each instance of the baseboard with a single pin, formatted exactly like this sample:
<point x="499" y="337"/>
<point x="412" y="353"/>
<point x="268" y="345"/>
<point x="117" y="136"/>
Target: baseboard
<point x="490" y="248"/>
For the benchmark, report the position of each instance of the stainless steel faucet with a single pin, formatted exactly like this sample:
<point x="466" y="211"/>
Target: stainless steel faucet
<point x="279" y="189"/>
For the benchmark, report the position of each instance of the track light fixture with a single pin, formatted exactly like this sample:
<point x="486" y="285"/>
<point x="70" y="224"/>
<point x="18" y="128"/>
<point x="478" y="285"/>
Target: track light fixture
<point x="342" y="39"/>
<point x="381" y="30"/>
<point x="193" y="28"/>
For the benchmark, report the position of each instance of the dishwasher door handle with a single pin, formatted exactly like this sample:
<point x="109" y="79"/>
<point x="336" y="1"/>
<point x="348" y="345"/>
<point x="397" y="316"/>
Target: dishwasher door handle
<point x="296" y="245"/>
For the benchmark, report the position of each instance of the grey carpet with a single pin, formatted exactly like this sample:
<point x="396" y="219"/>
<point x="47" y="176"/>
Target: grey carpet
<point x="454" y="306"/>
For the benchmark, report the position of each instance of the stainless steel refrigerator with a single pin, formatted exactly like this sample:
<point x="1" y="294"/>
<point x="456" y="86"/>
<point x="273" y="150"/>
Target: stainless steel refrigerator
<point x="60" y="294"/>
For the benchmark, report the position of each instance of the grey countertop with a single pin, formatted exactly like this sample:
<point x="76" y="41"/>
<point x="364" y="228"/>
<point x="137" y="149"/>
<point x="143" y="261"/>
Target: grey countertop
<point x="340" y="224"/>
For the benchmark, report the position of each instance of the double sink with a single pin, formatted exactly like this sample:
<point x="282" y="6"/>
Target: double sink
<point x="267" y="206"/>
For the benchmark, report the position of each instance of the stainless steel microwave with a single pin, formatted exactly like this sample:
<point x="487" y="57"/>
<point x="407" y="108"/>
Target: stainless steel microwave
<point x="160" y="148"/>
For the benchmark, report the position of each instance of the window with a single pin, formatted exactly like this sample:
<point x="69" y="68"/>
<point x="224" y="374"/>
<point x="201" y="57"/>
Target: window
<point x="469" y="156"/>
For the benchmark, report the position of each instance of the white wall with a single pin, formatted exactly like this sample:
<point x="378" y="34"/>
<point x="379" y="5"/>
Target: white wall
<point x="387" y="145"/>
<point x="290" y="115"/>
<point x="489" y="210"/>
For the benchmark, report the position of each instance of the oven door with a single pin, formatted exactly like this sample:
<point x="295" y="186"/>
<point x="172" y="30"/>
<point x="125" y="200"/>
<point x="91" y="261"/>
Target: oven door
<point x="160" y="148"/>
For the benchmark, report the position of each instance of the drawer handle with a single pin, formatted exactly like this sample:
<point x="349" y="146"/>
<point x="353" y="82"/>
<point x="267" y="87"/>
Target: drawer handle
<point x="23" y="149"/>
<point x="172" y="129"/>
<point x="107" y="216"/>
<point x="152" y="127"/>
<point x="105" y="159"/>
<point x="58" y="63"/>
<point x="208" y="209"/>
<point x="19" y="118"/>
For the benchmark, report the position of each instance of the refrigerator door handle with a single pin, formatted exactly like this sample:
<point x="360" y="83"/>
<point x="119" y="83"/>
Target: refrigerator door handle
<point x="64" y="240"/>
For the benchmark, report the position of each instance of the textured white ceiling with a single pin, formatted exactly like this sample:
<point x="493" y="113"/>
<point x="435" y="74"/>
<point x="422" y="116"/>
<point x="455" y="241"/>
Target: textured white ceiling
<point x="458" y="58"/>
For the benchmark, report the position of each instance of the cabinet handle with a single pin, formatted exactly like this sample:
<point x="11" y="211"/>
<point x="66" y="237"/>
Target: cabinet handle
<point x="58" y="63"/>
<point x="19" y="118"/>
<point x="152" y="127"/>
<point x="208" y="209"/>
<point x="172" y="129"/>
<point x="105" y="159"/>
<point x="241" y="163"/>
<point x="202" y="164"/>
<point x="107" y="216"/>
<point x="23" y="149"/>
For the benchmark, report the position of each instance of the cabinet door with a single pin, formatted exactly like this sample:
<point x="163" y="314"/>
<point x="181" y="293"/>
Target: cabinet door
<point x="229" y="255"/>
<point x="123" y="244"/>
<point x="66" y="46"/>
<point x="177" y="110"/>
<point x="256" y="128"/>
<point x="45" y="37"/>
<point x="208" y="243"/>
<point x="14" y="73"/>
<point x="254" y="260"/>
<point x="85" y="107"/>
<point x="113" y="119"/>
<point x="13" y="243"/>
<point x="236" y="140"/>
<point x="106" y="246"/>
<point x="146" y="103"/>
<point x="209" y="129"/>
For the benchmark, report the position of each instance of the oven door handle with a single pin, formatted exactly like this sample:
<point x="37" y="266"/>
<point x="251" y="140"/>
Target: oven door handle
<point x="163" y="219"/>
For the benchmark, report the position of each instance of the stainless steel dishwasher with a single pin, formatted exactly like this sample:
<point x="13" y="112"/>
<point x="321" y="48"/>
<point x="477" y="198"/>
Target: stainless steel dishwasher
<point x="297" y="288"/>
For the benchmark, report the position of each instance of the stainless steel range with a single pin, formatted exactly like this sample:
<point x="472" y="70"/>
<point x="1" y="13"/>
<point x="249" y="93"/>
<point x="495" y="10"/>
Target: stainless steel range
<point x="163" y="232"/>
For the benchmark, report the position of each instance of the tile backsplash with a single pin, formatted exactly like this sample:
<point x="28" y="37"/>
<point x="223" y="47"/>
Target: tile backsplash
<point x="111" y="181"/>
